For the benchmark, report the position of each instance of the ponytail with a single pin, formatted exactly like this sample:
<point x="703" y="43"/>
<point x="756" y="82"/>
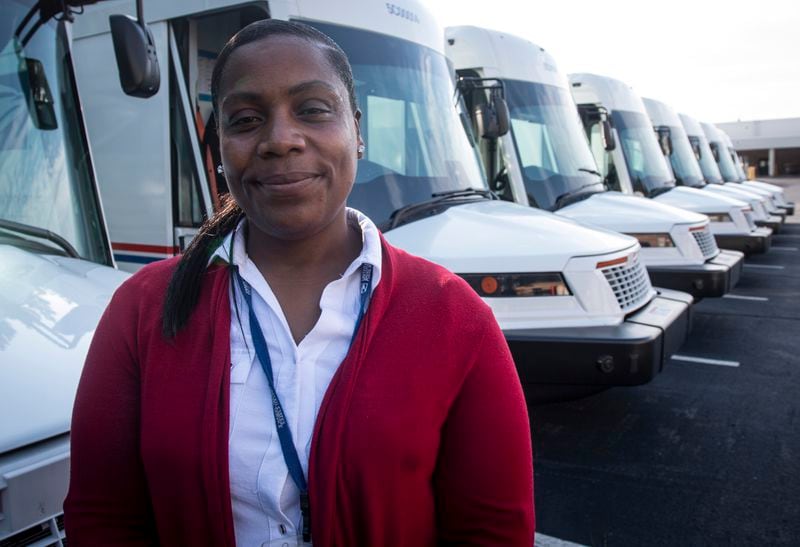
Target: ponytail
<point x="187" y="279"/>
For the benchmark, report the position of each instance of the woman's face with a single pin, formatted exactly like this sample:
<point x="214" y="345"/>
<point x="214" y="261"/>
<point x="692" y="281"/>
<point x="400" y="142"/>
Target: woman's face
<point x="288" y="137"/>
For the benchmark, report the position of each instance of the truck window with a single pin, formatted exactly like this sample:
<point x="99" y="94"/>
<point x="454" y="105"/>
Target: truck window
<point x="46" y="180"/>
<point x="604" y="159"/>
<point x="386" y="128"/>
<point x="533" y="141"/>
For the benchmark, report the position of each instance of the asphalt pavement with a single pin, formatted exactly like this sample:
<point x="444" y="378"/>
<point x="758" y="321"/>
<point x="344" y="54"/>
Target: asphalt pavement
<point x="708" y="453"/>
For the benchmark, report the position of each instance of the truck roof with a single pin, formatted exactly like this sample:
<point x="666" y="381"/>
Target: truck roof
<point x="661" y="113"/>
<point x="613" y="94"/>
<point x="499" y="54"/>
<point x="410" y="21"/>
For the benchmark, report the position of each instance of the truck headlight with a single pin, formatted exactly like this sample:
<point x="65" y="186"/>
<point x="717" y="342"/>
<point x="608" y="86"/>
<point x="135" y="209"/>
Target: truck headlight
<point x="522" y="284"/>
<point x="719" y="217"/>
<point x="654" y="240"/>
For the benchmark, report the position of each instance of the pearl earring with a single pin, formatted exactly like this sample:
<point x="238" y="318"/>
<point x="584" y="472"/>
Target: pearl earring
<point x="361" y="148"/>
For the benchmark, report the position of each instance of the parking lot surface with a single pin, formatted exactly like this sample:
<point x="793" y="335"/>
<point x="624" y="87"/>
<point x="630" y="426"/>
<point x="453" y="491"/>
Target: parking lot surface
<point x="706" y="454"/>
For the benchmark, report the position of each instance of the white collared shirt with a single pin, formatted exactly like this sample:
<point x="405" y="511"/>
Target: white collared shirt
<point x="265" y="500"/>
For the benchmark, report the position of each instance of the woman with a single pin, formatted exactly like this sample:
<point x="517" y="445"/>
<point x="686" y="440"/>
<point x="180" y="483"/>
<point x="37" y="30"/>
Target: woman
<point x="302" y="377"/>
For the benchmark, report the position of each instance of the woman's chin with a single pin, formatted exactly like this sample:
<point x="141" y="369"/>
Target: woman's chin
<point x="292" y="225"/>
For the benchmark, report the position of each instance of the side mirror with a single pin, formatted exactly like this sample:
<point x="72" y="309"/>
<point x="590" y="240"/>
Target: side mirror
<point x="33" y="81"/>
<point x="489" y="110"/>
<point x="664" y="140"/>
<point x="715" y="151"/>
<point x="609" y="142"/>
<point x="491" y="119"/>
<point x="698" y="152"/>
<point x="135" y="50"/>
<point x="503" y="117"/>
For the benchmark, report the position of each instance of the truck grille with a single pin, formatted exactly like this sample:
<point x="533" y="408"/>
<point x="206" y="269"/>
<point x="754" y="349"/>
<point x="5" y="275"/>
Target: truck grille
<point x="630" y="283"/>
<point x="706" y="241"/>
<point x="49" y="533"/>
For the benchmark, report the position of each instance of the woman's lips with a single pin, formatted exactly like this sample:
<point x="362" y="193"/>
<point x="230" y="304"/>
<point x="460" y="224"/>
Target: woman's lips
<point x="285" y="185"/>
<point x="283" y="179"/>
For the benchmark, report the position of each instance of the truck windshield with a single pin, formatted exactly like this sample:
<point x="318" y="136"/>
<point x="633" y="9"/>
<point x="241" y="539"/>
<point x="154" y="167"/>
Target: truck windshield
<point x="725" y="162"/>
<point x="707" y="164"/>
<point x="646" y="165"/>
<point x="416" y="144"/>
<point x="555" y="158"/>
<point x="45" y="171"/>
<point x="683" y="161"/>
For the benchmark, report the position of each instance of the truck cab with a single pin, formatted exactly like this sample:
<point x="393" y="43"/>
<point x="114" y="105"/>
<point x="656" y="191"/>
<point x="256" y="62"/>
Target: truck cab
<point x="776" y="192"/>
<point x="56" y="269"/>
<point x="545" y="162"/>
<point x="728" y="215"/>
<point x="733" y="179"/>
<point x="575" y="303"/>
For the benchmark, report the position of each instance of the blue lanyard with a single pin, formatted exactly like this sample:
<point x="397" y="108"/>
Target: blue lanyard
<point x="284" y="433"/>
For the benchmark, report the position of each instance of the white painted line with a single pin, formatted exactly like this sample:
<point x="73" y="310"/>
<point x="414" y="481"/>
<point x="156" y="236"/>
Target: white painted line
<point x="743" y="297"/>
<point x="764" y="266"/>
<point x="542" y="540"/>
<point x="704" y="361"/>
<point x="774" y="248"/>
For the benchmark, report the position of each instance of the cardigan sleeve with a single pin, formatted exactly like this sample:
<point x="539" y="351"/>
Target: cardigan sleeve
<point x="484" y="475"/>
<point x="108" y="501"/>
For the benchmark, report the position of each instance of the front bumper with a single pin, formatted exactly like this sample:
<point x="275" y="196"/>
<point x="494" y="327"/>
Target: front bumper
<point x="715" y="277"/>
<point x="557" y="363"/>
<point x="757" y="242"/>
<point x="789" y="208"/>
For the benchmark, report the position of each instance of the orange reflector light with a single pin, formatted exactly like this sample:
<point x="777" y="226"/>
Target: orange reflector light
<point x="697" y="228"/>
<point x="616" y="261"/>
<point x="489" y="285"/>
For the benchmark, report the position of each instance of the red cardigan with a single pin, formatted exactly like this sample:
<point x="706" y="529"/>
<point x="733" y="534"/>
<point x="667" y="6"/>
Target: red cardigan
<point x="422" y="437"/>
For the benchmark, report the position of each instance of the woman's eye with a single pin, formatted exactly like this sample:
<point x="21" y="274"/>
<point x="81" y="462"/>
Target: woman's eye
<point x="243" y="120"/>
<point x="314" y="110"/>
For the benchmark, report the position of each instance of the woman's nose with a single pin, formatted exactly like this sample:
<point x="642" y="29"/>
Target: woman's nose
<point x="280" y="135"/>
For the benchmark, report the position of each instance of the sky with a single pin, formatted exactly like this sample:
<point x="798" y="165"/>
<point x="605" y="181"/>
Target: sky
<point x="716" y="60"/>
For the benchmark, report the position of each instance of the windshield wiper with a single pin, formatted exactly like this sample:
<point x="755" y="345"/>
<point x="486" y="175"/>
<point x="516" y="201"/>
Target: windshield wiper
<point x="660" y="190"/>
<point x="574" y="195"/>
<point x="592" y="171"/>
<point x="40" y="233"/>
<point x="446" y="199"/>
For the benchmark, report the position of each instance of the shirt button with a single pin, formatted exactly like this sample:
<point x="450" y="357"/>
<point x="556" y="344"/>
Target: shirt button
<point x="282" y="529"/>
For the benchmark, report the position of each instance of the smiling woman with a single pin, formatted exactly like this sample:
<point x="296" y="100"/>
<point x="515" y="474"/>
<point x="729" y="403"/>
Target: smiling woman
<point x="303" y="378"/>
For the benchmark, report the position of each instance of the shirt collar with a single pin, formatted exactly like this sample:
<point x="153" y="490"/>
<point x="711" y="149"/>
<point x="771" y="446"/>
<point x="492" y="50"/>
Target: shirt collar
<point x="371" y="252"/>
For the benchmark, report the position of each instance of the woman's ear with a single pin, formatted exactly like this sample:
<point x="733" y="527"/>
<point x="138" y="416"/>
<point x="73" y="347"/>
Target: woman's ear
<point x="360" y="147"/>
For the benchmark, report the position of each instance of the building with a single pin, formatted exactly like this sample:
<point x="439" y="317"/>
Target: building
<point x="772" y="146"/>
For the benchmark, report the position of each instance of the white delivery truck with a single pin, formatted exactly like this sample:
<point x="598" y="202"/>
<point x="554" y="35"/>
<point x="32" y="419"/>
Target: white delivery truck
<point x="545" y="162"/>
<point x="575" y="303"/>
<point x="635" y="163"/>
<point x="56" y="269"/>
<point x="727" y="167"/>
<point x="730" y="224"/>
<point x="775" y="191"/>
<point x="716" y="182"/>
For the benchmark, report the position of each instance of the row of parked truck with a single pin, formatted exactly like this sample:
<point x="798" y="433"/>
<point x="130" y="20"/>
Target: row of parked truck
<point x="589" y="219"/>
